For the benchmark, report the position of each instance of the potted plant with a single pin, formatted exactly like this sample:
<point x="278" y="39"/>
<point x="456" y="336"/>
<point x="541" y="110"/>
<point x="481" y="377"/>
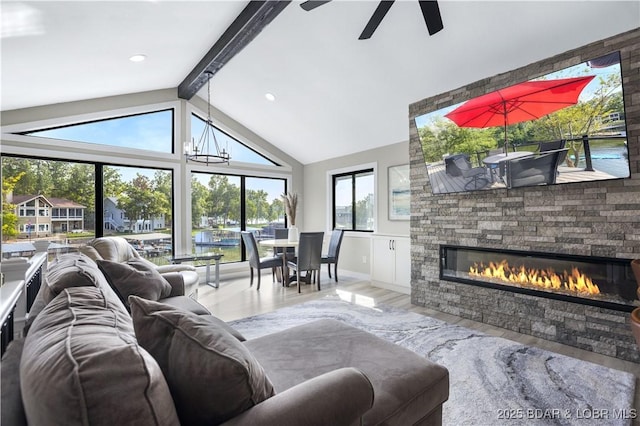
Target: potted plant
<point x="290" y="200"/>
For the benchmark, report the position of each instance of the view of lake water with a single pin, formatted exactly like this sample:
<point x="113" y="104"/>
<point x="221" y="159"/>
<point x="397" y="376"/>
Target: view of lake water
<point x="612" y="160"/>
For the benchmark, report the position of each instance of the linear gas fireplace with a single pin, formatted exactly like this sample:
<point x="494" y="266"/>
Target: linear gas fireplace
<point x="596" y="281"/>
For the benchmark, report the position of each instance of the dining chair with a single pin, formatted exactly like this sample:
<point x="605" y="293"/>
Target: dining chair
<point x="309" y="256"/>
<point x="283" y="234"/>
<point x="255" y="261"/>
<point x="534" y="170"/>
<point x="474" y="175"/>
<point x="553" y="146"/>
<point x="333" y="252"/>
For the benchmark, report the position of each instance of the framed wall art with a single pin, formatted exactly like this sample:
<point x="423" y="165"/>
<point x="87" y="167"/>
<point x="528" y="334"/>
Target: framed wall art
<point x="399" y="193"/>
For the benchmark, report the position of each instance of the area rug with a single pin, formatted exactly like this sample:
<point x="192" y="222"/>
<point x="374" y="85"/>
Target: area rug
<point x="493" y="381"/>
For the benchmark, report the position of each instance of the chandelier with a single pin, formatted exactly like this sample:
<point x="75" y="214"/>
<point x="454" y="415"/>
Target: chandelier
<point x="202" y="151"/>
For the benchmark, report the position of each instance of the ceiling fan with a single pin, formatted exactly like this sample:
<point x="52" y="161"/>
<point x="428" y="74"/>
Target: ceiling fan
<point x="430" y="12"/>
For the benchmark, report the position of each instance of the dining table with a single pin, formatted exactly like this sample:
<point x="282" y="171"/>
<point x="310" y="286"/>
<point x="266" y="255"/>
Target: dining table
<point x="493" y="161"/>
<point x="282" y="243"/>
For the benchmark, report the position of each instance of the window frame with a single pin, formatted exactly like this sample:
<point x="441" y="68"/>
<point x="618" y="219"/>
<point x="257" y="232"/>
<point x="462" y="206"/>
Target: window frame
<point x="170" y="109"/>
<point x="99" y="190"/>
<point x="243" y="211"/>
<point x="24" y="146"/>
<point x="274" y="162"/>
<point x="332" y="175"/>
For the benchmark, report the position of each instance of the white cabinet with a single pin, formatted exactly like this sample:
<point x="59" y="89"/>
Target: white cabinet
<point x="391" y="262"/>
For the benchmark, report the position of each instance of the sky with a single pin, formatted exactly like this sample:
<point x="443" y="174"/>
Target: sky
<point x="151" y="131"/>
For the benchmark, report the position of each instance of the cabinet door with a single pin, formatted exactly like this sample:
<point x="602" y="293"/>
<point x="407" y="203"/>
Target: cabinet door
<point x="402" y="250"/>
<point x="382" y="260"/>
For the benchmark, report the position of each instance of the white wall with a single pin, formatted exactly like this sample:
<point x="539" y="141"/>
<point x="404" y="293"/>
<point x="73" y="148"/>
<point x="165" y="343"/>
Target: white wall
<point x="316" y="201"/>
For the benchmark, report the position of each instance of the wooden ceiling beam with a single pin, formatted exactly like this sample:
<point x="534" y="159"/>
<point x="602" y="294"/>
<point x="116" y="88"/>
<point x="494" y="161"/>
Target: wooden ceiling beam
<point x="251" y="21"/>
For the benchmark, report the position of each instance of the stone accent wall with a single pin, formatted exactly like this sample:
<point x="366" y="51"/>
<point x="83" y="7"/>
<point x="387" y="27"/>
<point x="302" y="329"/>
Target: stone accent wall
<point x="590" y="219"/>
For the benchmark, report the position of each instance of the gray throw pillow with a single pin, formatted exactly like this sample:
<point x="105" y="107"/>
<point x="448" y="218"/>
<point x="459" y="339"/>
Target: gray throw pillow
<point x="81" y="365"/>
<point x="134" y="277"/>
<point x="212" y="376"/>
<point x="217" y="322"/>
<point x="71" y="270"/>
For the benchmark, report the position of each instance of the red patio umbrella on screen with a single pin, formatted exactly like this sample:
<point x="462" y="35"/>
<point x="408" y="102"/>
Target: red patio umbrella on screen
<point x="523" y="102"/>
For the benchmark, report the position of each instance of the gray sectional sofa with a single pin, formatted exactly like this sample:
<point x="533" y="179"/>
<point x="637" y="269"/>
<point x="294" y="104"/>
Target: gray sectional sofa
<point x="90" y="359"/>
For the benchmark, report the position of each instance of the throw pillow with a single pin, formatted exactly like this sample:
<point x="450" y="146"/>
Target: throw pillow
<point x="81" y="365"/>
<point x="66" y="271"/>
<point x="71" y="270"/>
<point x="219" y="323"/>
<point x="136" y="278"/>
<point x="212" y="376"/>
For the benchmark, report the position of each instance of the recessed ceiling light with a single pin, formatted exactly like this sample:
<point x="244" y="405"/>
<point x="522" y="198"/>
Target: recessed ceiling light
<point x="138" y="58"/>
<point x="270" y="97"/>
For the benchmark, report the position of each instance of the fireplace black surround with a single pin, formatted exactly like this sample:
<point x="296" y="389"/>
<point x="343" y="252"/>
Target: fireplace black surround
<point x="597" y="281"/>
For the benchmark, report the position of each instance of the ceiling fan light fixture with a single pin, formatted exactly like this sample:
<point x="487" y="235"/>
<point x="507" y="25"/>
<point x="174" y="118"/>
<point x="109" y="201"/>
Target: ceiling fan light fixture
<point x="202" y="151"/>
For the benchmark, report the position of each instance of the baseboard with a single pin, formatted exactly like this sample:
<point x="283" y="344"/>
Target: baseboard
<point x="353" y="274"/>
<point x="393" y="287"/>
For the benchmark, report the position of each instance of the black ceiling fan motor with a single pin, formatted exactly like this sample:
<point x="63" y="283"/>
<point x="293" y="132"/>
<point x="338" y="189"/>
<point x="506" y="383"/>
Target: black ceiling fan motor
<point x="430" y="13"/>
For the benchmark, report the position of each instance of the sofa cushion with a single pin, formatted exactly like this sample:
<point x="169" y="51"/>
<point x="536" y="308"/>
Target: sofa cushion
<point x="71" y="270"/>
<point x="116" y="249"/>
<point x="407" y="387"/>
<point x="185" y="303"/>
<point x="81" y="365"/>
<point x="90" y="251"/>
<point x="217" y="322"/>
<point x="212" y="376"/>
<point x="134" y="277"/>
<point x="67" y="270"/>
<point x="12" y="409"/>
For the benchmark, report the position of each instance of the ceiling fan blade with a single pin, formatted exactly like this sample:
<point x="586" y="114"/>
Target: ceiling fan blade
<point x="312" y="4"/>
<point x="376" y="18"/>
<point x="432" y="17"/>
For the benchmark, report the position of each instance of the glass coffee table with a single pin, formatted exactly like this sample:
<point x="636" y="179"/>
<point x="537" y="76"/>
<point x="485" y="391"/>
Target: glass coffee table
<point x="206" y="257"/>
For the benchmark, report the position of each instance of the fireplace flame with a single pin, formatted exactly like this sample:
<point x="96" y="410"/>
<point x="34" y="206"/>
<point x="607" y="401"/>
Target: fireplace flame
<point x="574" y="281"/>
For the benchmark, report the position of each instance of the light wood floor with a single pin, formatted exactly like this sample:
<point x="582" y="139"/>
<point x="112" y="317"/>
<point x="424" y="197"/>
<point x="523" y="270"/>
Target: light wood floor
<point x="235" y="299"/>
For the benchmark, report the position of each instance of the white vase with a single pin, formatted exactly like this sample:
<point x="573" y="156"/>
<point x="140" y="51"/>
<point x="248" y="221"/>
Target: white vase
<point x="293" y="234"/>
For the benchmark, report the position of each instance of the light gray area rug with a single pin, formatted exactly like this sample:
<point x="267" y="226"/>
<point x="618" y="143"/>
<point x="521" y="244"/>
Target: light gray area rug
<point x="493" y="381"/>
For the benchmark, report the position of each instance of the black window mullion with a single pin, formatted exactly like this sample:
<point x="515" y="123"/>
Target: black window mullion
<point x="334" y="201"/>
<point x="243" y="215"/>
<point x="99" y="201"/>
<point x="353" y="202"/>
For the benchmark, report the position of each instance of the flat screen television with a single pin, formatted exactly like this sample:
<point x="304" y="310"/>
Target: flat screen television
<point x="563" y="127"/>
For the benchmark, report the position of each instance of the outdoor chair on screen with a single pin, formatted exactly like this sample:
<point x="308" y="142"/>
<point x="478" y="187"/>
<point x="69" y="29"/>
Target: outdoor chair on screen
<point x="541" y="169"/>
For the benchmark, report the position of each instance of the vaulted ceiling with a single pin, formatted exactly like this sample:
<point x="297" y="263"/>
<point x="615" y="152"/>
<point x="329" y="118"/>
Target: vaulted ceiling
<point x="335" y="94"/>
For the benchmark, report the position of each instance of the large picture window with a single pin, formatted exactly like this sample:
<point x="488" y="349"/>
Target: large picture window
<point x="44" y="199"/>
<point x="68" y="203"/>
<point x="137" y="204"/>
<point x="237" y="150"/>
<point x="354" y="200"/>
<point x="224" y="205"/>
<point x="152" y="131"/>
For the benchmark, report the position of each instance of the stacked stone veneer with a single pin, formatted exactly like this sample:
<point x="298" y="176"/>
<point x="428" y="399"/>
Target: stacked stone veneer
<point x="591" y="219"/>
